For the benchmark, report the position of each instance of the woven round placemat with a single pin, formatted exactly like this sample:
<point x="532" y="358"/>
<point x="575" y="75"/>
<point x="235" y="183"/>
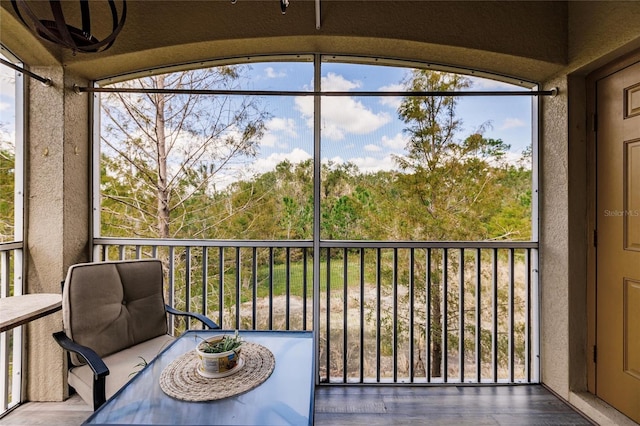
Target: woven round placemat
<point x="180" y="379"/>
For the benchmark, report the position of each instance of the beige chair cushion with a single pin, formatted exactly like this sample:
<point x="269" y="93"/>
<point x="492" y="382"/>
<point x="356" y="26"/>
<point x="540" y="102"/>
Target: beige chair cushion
<point x="120" y="365"/>
<point x="112" y="306"/>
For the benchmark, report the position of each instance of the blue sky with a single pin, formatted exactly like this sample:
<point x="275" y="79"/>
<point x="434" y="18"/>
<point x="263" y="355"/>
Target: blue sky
<point x="362" y="130"/>
<point x="366" y="130"/>
<point x="7" y="102"/>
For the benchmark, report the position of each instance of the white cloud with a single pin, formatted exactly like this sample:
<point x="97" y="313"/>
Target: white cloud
<point x="263" y="165"/>
<point x="7" y="82"/>
<point x="512" y="158"/>
<point x="277" y="131"/>
<point x="372" y="164"/>
<point x="488" y="84"/>
<point x="397" y="143"/>
<point x="372" y="148"/>
<point x="366" y="164"/>
<point x="511" y="123"/>
<point x="271" y="73"/>
<point x="396" y="87"/>
<point x="286" y="125"/>
<point x="342" y="115"/>
<point x="392" y="101"/>
<point x="269" y="139"/>
<point x="337" y="83"/>
<point x="345" y="115"/>
<point x="7" y="138"/>
<point x="7" y="105"/>
<point x="335" y="160"/>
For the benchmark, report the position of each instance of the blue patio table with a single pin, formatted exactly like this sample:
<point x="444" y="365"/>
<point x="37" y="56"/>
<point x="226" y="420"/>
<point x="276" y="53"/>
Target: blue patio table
<point x="285" y="398"/>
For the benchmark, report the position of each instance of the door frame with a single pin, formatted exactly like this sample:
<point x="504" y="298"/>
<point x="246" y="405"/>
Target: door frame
<point x="591" y="81"/>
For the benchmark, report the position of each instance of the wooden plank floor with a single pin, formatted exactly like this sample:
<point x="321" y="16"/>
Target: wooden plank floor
<point x="379" y="405"/>
<point x="447" y="405"/>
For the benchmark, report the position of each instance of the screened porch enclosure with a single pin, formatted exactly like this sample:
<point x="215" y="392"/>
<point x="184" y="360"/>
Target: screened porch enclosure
<point x="379" y="206"/>
<point x="421" y="209"/>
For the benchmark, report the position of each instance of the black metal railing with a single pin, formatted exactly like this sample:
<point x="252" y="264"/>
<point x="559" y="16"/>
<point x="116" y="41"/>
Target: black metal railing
<point x="10" y="341"/>
<point x="388" y="312"/>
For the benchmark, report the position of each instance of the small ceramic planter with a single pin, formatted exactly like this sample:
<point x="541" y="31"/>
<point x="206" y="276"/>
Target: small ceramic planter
<point x="214" y="365"/>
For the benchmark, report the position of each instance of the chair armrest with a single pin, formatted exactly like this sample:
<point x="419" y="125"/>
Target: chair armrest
<point x="100" y="369"/>
<point x="93" y="360"/>
<point x="203" y="319"/>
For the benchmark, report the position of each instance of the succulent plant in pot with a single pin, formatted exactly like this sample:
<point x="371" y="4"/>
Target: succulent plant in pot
<point x="219" y="355"/>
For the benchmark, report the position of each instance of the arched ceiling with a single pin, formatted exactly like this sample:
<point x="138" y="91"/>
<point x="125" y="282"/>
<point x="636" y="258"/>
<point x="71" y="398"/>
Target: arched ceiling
<point x="516" y="38"/>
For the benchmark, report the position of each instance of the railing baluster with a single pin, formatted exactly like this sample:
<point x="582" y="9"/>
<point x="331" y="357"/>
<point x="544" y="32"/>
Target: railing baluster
<point x="378" y="318"/>
<point x="221" y="292"/>
<point x="345" y="311"/>
<point x="362" y="278"/>
<point x="527" y="311"/>
<point x="5" y="274"/>
<point x="445" y="315"/>
<point x="171" y="283"/>
<point x="328" y="315"/>
<point x="395" y="315"/>
<point x="478" y="315"/>
<point x="254" y="281"/>
<point x="6" y="338"/>
<point x="4" y="370"/>
<point x="511" y="315"/>
<point x="411" y="312"/>
<point x="461" y="318"/>
<point x="11" y="342"/>
<point x="16" y="262"/>
<point x="494" y="335"/>
<point x="288" y="288"/>
<point x="205" y="281"/>
<point x="535" y="316"/>
<point x="304" y="288"/>
<point x="238" y="283"/>
<point x="428" y="317"/>
<point x="187" y="284"/>
<point x="271" y="260"/>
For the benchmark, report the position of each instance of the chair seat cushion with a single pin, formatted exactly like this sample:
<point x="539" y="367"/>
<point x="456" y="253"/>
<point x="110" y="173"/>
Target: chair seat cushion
<point x="121" y="366"/>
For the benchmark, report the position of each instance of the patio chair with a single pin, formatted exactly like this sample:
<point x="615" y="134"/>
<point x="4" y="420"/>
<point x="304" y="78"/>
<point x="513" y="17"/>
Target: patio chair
<point x="114" y="317"/>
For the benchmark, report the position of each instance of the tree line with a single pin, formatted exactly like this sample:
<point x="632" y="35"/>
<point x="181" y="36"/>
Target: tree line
<point x="164" y="154"/>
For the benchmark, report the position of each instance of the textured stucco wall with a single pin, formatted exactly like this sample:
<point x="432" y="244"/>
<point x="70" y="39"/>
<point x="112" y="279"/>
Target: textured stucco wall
<point x="174" y="32"/>
<point x="600" y="31"/>
<point x="554" y="211"/>
<point x="564" y="237"/>
<point x="57" y="211"/>
<point x="43" y="177"/>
